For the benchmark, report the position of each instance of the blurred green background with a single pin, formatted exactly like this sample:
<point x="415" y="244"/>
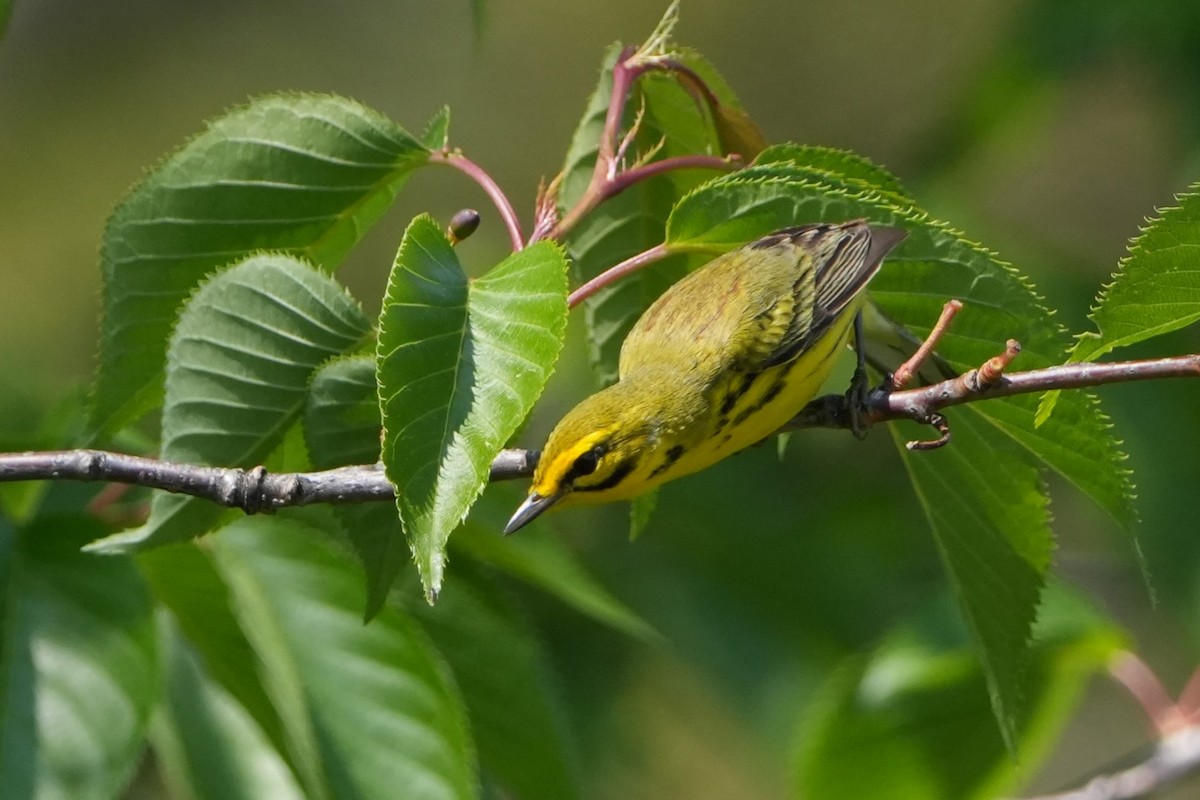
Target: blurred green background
<point x="1047" y="130"/>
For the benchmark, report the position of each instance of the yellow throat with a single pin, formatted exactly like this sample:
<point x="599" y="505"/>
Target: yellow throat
<point x="719" y="362"/>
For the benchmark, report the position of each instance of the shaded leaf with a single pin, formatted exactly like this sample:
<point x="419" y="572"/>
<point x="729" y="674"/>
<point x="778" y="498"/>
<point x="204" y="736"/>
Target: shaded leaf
<point x="207" y="746"/>
<point x="365" y="708"/>
<point x="341" y="426"/>
<point x="545" y="562"/>
<point x="306" y="174"/>
<point x="79" y="664"/>
<point x="184" y="579"/>
<point x="239" y="365"/>
<point x="499" y="666"/>
<point x="460" y="364"/>
<point x="987" y="508"/>
<point x="640" y="510"/>
<point x="916" y="710"/>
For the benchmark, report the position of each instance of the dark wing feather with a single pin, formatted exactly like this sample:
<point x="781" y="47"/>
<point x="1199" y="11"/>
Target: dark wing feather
<point x="844" y="259"/>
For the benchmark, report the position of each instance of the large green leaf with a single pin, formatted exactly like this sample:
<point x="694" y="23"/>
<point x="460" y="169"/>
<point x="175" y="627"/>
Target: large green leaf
<point x="460" y="364"/>
<point x="341" y="427"/>
<point x="184" y="579"/>
<point x="237" y="377"/>
<point x="987" y="508"/>
<point x="207" y="746"/>
<point x="305" y="174"/>
<point x="367" y="709"/>
<point x="79" y="664"/>
<point x="917" y="710"/>
<point x="933" y="265"/>
<point x="505" y="682"/>
<point x="1156" y="289"/>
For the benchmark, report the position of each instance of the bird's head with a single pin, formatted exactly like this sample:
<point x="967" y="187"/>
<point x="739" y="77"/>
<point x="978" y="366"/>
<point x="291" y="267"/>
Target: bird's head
<point x="597" y="453"/>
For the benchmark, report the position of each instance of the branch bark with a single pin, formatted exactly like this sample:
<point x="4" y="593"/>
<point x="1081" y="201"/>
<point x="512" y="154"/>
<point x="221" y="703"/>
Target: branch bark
<point x="1174" y="758"/>
<point x="255" y="490"/>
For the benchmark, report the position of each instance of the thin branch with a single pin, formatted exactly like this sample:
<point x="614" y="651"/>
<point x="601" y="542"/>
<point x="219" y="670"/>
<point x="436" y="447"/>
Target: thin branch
<point x="905" y="372"/>
<point x="1174" y="758"/>
<point x="454" y="158"/>
<point x="255" y="490"/>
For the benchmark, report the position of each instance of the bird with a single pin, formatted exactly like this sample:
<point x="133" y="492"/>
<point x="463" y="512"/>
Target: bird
<point x="719" y="362"/>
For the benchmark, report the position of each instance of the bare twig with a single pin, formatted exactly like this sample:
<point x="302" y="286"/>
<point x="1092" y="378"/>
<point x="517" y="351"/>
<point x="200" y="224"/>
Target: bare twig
<point x="1174" y="758"/>
<point x="1176" y="754"/>
<point x="256" y="490"/>
<point x="905" y="372"/>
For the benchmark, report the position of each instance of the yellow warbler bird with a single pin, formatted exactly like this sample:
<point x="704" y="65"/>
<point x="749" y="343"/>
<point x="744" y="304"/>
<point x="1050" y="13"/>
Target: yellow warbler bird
<point x="719" y="362"/>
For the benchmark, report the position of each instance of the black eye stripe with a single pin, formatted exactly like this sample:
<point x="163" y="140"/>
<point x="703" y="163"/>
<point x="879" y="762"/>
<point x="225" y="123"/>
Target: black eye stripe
<point x="619" y="474"/>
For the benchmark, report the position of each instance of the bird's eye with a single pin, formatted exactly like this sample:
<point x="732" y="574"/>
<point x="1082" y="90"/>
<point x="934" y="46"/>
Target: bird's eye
<point x="587" y="462"/>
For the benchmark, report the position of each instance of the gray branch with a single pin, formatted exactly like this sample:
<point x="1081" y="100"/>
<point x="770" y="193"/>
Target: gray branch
<point x="1175" y="757"/>
<point x="255" y="490"/>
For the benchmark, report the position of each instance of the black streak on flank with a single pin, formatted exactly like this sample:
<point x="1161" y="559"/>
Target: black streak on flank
<point x="730" y="401"/>
<point x="619" y="474"/>
<point x="673" y="455"/>
<point x="777" y="387"/>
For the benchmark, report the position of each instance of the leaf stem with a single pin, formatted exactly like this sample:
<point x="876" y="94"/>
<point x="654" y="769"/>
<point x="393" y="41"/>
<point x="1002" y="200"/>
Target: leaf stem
<point x="455" y="158"/>
<point x="615" y="273"/>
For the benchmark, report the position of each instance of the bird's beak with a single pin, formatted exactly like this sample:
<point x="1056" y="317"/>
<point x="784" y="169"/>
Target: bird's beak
<point x="532" y="508"/>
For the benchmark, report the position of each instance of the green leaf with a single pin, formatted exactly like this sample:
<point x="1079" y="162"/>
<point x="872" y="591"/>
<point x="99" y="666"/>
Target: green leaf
<point x="207" y="746"/>
<point x="341" y="416"/>
<point x="436" y="135"/>
<point x="544" y="562"/>
<point x="78" y="664"/>
<point x="341" y="426"/>
<point x="305" y="174"/>
<point x="846" y="165"/>
<point x="987" y="508"/>
<point x="640" y="511"/>
<point x="633" y="220"/>
<point x="238" y="370"/>
<point x="1156" y="289"/>
<point x="933" y="265"/>
<point x="460" y="364"/>
<point x="499" y="666"/>
<point x="184" y="579"/>
<point x="916" y="710"/>
<point x="5" y="15"/>
<point x="366" y="708"/>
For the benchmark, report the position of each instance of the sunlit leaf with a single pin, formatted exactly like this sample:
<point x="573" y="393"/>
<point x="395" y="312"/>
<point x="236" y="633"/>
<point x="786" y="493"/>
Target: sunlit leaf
<point x="79" y="664"/>
<point x="305" y="174"/>
<point x="460" y="364"/>
<point x="238" y="370"/>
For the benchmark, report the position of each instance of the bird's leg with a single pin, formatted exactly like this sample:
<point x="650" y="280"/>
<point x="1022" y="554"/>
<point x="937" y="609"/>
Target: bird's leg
<point x="856" y="395"/>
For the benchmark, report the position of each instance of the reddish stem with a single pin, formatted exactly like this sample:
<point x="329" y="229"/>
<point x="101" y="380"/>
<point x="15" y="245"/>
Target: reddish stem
<point x="617" y="272"/>
<point x="499" y="199"/>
